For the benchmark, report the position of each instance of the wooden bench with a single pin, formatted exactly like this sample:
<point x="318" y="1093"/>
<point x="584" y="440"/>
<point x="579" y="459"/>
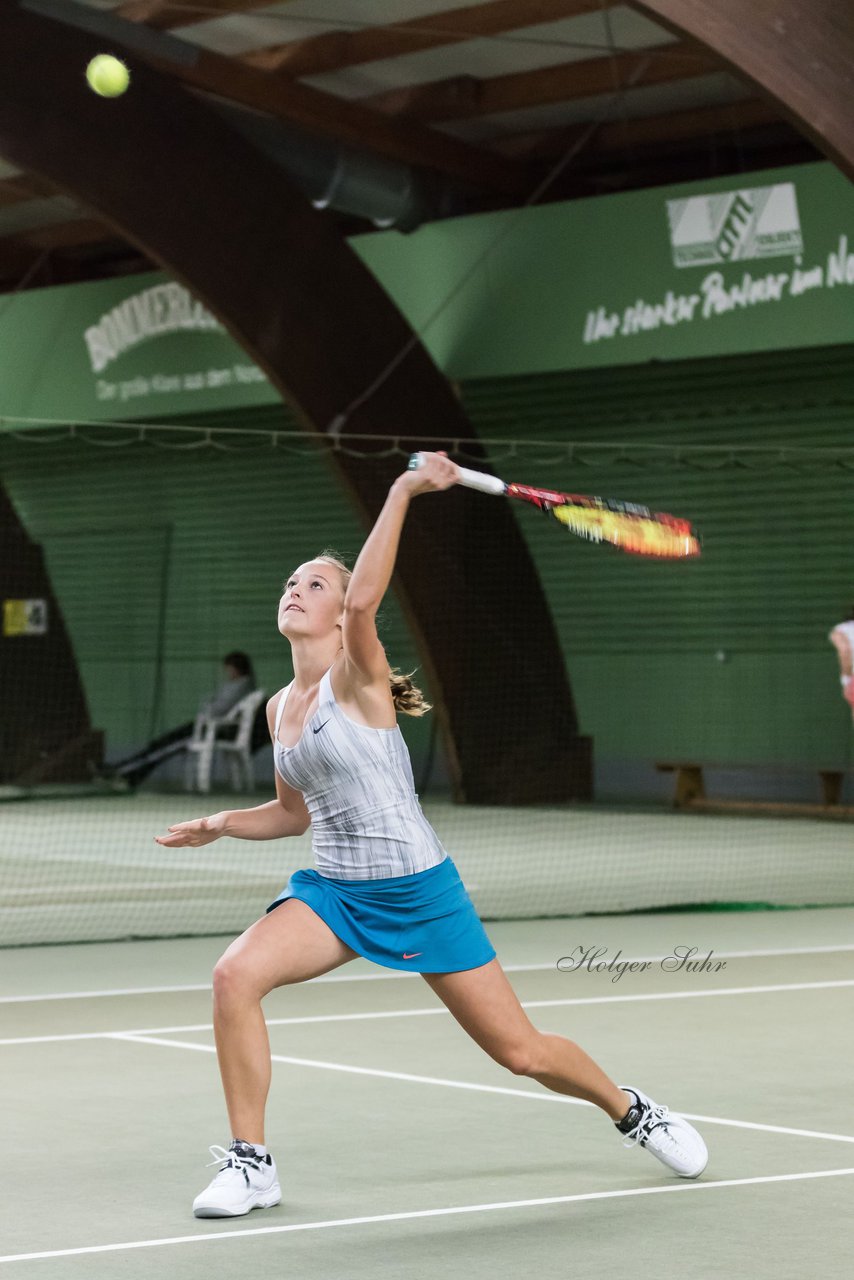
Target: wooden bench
<point x="690" y="790"/>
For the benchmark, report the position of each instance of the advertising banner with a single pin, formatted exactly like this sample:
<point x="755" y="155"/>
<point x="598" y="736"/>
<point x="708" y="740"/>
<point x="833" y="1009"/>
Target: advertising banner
<point x="758" y="262"/>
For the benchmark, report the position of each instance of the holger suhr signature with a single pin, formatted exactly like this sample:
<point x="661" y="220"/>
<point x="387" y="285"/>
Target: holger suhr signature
<point x="681" y="959"/>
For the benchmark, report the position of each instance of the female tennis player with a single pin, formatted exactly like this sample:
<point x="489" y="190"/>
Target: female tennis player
<point x="383" y="888"/>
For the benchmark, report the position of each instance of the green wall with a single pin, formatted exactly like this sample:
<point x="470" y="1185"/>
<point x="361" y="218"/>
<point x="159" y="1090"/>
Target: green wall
<point x="184" y="551"/>
<point x="164" y="559"/>
<point x="179" y="552"/>
<point x="641" y="637"/>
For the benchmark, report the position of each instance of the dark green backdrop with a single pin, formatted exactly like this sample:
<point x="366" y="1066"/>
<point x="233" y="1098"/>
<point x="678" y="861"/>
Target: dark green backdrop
<point x="163" y="559"/>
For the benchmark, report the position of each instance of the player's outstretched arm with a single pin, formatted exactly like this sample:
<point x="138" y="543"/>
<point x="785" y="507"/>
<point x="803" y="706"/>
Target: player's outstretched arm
<point x="285" y="816"/>
<point x="375" y="565"/>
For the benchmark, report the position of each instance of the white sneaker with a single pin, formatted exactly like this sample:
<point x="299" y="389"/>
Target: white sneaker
<point x="669" y="1137"/>
<point x="245" y="1181"/>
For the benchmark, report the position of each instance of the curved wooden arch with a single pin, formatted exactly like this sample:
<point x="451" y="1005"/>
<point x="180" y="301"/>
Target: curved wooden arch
<point x="801" y="55"/>
<point x="39" y="671"/>
<point x="164" y="169"/>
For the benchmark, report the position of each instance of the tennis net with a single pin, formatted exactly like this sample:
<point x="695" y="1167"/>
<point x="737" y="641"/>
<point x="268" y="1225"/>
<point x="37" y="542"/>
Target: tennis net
<point x="159" y="561"/>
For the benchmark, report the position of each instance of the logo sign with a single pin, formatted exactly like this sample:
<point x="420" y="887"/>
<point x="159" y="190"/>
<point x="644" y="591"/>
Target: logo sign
<point x="164" y="308"/>
<point x="755" y="222"/>
<point x="169" y="312"/>
<point x="24" y="617"/>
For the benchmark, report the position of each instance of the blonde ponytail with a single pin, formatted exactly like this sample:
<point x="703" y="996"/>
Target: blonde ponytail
<point x="407" y="697"/>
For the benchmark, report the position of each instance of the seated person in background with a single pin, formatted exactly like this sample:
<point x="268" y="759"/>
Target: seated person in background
<point x="239" y="681"/>
<point x="842" y="639"/>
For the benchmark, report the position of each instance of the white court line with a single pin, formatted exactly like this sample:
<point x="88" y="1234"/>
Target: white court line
<point x="415" y="1214"/>
<point x="96" y="995"/>
<point x="540" y="1096"/>
<point x="421" y="1013"/>
<point x="399" y="973"/>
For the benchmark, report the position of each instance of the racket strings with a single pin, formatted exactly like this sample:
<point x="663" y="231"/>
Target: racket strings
<point x="627" y="525"/>
<point x="658" y="535"/>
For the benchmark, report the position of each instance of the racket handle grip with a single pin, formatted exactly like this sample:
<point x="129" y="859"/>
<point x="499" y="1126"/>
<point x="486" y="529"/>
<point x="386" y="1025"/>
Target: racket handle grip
<point x="470" y="479"/>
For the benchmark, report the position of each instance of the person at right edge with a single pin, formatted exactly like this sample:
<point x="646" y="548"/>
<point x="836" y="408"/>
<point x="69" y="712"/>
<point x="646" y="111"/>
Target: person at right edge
<point x="842" y="639"/>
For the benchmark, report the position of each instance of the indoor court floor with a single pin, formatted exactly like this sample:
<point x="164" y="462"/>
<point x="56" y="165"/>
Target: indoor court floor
<point x="403" y="1150"/>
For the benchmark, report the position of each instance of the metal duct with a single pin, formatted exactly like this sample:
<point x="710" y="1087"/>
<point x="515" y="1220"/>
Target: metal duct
<point x="334" y="177"/>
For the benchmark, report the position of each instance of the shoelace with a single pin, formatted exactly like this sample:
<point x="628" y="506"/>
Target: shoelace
<point x="231" y="1160"/>
<point x="652" y="1118"/>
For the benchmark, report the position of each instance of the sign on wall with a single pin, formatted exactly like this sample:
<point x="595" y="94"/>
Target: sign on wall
<point x="760" y="262"/>
<point x="141" y="348"/>
<point x="751" y="222"/>
<point x="24" y="618"/>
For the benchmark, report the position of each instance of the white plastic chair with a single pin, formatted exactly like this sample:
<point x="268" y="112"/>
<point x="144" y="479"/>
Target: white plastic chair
<point x="204" y="744"/>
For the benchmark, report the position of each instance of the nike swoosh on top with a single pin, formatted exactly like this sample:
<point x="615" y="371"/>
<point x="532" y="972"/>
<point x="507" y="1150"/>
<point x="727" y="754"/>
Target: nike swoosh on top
<point x="319" y="727"/>
<point x="412" y="954"/>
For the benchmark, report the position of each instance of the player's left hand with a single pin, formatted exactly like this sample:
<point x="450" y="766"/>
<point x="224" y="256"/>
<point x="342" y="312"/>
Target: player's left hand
<point x="197" y="831"/>
<point x="435" y="473"/>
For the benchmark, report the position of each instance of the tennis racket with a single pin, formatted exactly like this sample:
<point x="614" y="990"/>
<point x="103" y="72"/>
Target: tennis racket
<point x="625" y="525"/>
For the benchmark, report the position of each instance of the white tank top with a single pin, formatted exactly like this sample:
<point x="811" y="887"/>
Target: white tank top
<point x="358" y="787"/>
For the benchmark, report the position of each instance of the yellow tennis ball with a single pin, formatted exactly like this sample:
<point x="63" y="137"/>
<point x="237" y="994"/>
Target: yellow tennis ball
<point x="108" y="76"/>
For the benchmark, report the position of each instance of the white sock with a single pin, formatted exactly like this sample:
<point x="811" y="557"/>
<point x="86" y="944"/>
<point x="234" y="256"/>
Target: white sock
<point x="261" y="1151"/>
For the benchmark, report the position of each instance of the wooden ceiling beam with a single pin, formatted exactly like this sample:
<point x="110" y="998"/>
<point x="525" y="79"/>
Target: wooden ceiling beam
<point x="456" y="97"/>
<point x="643" y="171"/>
<point x="465" y="97"/>
<point x="337" y="49"/>
<point x="799" y="54"/>
<point x="64" y="235"/>
<point x="18" y="262"/>
<point x="347" y="122"/>
<point x="162" y="15"/>
<point x="23" y="187"/>
<point x="699" y="124"/>
<point x="27" y="258"/>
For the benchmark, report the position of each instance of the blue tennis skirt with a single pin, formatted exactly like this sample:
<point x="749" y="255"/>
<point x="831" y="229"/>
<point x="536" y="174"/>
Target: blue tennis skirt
<point x="424" y="923"/>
